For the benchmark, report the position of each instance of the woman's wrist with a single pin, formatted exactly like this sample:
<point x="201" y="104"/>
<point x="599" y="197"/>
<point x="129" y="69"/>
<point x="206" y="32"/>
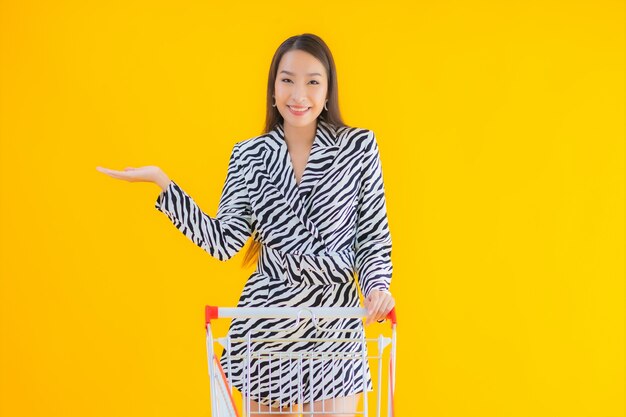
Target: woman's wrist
<point x="163" y="181"/>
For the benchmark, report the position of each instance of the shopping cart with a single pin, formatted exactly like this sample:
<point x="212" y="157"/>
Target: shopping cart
<point x="222" y="401"/>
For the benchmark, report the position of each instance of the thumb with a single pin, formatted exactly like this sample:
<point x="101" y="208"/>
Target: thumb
<point x="128" y="169"/>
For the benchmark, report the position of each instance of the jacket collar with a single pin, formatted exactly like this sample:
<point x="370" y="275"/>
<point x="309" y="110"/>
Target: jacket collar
<point x="325" y="134"/>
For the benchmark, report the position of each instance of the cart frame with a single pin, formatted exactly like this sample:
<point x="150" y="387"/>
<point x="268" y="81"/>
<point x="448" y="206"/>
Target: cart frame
<point x="222" y="402"/>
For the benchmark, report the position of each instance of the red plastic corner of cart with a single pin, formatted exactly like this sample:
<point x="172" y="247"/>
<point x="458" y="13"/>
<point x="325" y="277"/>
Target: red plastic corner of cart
<point x="392" y="316"/>
<point x="210" y="312"/>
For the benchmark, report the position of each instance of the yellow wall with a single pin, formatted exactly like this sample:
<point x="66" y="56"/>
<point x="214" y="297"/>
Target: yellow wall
<point x="501" y="128"/>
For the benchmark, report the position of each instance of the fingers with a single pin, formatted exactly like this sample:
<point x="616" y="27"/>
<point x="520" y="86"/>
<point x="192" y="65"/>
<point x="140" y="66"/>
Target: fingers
<point x="378" y="305"/>
<point x="372" y="309"/>
<point x="386" y="308"/>
<point x="127" y="174"/>
<point x="113" y="173"/>
<point x="109" y="171"/>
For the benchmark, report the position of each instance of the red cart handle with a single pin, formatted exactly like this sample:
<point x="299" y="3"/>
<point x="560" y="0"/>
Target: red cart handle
<point x="391" y="316"/>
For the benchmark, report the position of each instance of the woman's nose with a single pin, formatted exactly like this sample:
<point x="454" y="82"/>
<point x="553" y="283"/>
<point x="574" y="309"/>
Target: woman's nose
<point x="298" y="94"/>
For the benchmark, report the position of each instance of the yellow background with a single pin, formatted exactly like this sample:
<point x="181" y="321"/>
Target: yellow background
<point x="501" y="129"/>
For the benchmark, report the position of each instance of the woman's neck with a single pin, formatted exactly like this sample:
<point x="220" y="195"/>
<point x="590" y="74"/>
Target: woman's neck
<point x="300" y="135"/>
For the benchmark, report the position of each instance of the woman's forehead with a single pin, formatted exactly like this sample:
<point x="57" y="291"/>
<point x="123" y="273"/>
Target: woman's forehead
<point x="297" y="62"/>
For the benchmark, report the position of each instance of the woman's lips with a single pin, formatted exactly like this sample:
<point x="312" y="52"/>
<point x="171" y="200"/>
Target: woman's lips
<point x="298" y="112"/>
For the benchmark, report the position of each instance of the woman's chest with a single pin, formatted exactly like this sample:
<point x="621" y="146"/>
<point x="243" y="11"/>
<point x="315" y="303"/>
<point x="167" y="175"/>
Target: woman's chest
<point x="317" y="196"/>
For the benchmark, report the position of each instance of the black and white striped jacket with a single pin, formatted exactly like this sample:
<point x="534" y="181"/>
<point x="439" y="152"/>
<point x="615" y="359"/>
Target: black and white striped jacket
<point x="320" y="232"/>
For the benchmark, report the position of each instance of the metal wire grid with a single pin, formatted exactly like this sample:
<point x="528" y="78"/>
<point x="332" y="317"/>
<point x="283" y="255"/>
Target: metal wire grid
<point x="253" y="359"/>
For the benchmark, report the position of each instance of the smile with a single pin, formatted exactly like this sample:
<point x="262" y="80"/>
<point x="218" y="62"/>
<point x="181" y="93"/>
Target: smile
<point x="298" y="111"/>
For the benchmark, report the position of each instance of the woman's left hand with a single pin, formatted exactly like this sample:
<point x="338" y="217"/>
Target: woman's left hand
<point x="379" y="304"/>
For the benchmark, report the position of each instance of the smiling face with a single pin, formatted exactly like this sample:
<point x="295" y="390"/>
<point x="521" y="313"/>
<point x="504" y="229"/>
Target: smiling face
<point x="300" y="88"/>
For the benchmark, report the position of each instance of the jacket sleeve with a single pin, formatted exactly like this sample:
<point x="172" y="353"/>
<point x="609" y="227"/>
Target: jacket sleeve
<point x="373" y="240"/>
<point x="225" y="234"/>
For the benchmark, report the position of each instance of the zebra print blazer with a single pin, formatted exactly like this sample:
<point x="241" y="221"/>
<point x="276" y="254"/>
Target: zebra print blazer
<point x="321" y="231"/>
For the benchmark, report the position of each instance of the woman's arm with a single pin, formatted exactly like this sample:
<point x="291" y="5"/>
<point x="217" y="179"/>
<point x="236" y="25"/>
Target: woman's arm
<point x="221" y="236"/>
<point x="373" y="240"/>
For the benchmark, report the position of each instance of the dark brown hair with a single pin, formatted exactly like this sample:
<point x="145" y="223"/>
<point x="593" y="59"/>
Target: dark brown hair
<point x="315" y="46"/>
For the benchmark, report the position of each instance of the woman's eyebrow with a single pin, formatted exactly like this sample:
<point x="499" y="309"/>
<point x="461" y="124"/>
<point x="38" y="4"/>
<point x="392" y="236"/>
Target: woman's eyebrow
<point x="291" y="73"/>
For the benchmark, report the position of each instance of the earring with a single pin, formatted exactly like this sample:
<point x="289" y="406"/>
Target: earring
<point x="274" y="105"/>
<point x="325" y="105"/>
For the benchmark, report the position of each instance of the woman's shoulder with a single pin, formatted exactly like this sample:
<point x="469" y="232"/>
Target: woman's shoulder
<point x="354" y="130"/>
<point x="355" y="135"/>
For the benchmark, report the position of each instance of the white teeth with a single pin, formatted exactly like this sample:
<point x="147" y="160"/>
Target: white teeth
<point x="299" y="109"/>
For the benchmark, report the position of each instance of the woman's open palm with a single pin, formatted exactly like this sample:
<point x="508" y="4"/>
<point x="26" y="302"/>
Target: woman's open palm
<point x="148" y="173"/>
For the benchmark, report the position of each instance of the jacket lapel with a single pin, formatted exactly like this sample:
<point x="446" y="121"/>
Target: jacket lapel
<point x="281" y="172"/>
<point x="321" y="158"/>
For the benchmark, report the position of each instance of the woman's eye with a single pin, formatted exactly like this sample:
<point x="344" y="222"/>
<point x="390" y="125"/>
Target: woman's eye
<point x="287" y="79"/>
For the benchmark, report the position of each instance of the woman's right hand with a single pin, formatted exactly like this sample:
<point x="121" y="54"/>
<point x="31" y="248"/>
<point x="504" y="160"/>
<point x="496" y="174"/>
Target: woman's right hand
<point x="148" y="173"/>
